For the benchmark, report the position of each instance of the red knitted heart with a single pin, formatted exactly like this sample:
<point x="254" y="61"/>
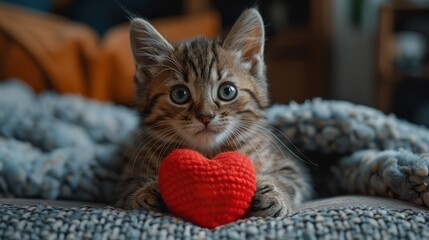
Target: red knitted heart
<point x="207" y="192"/>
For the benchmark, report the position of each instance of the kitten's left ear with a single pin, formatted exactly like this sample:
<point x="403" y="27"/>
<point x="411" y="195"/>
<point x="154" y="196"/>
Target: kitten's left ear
<point x="247" y="36"/>
<point x="147" y="44"/>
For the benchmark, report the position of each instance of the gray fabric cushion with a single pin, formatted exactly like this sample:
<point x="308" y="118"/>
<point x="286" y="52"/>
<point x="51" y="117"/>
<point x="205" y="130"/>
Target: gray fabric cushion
<point x="350" y="217"/>
<point x="46" y="202"/>
<point x="358" y="201"/>
<point x="332" y="202"/>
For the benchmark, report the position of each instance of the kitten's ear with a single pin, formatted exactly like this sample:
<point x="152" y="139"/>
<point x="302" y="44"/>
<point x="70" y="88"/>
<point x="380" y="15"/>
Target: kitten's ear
<point x="247" y="36"/>
<point x="147" y="44"/>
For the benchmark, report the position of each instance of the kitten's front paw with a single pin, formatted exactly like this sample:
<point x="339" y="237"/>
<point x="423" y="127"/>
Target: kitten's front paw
<point x="269" y="202"/>
<point x="148" y="198"/>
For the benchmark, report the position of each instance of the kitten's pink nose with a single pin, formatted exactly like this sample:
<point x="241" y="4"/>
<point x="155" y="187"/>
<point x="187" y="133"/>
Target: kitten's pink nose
<point x="205" y="119"/>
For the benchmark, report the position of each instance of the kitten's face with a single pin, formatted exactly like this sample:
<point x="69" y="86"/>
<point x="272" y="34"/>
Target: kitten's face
<point x="202" y="93"/>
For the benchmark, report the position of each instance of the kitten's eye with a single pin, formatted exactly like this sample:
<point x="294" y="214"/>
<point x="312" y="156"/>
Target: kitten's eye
<point x="227" y="92"/>
<point x="180" y="94"/>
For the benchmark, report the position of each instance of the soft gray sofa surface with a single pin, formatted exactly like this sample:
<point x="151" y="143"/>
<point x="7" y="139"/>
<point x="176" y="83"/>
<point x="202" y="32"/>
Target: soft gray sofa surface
<point x="347" y="217"/>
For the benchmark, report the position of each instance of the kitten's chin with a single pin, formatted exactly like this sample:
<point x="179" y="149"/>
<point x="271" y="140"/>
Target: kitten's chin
<point x="206" y="140"/>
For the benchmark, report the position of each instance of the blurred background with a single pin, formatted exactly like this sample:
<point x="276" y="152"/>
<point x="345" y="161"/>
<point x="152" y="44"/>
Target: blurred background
<point x="371" y="52"/>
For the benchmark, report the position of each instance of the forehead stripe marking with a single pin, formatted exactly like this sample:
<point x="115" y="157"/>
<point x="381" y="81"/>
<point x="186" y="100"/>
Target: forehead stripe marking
<point x="211" y="67"/>
<point x="214" y="59"/>
<point x="189" y="62"/>
<point x="185" y="76"/>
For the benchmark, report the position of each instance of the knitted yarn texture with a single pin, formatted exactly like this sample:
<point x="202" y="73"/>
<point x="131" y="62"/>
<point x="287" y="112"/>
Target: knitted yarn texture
<point x="207" y="192"/>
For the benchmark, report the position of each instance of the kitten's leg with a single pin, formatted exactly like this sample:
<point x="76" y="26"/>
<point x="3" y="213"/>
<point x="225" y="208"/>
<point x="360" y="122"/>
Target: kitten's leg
<point x="277" y="192"/>
<point x="145" y="196"/>
<point x="269" y="200"/>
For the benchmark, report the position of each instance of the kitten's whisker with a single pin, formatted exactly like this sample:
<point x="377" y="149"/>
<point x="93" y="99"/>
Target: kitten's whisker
<point x="267" y="138"/>
<point x="260" y="161"/>
<point x="176" y="145"/>
<point x="236" y="131"/>
<point x="250" y="140"/>
<point x="162" y="145"/>
<point x="237" y="145"/>
<point x="142" y="145"/>
<point x="167" y="133"/>
<point x="139" y="149"/>
<point x="128" y="146"/>
<point x="154" y="142"/>
<point x="285" y="136"/>
<point x="262" y="130"/>
<point x="147" y="130"/>
<point x="130" y="158"/>
<point x="231" y="141"/>
<point x="290" y="141"/>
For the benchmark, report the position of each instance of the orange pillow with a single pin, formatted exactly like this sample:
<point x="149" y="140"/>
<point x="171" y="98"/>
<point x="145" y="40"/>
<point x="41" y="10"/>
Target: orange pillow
<point x="51" y="52"/>
<point x="46" y="51"/>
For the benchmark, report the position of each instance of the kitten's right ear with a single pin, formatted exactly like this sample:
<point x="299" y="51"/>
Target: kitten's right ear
<point x="247" y="36"/>
<point x="147" y="44"/>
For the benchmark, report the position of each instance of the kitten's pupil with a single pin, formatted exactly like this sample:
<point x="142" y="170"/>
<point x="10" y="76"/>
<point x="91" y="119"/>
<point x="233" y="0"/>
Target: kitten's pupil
<point x="180" y="95"/>
<point x="227" y="92"/>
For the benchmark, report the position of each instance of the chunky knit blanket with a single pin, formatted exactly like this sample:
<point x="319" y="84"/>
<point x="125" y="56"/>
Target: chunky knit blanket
<point x="67" y="147"/>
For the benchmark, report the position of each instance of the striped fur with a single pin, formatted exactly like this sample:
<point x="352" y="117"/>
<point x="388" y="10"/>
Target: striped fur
<point x="203" y="65"/>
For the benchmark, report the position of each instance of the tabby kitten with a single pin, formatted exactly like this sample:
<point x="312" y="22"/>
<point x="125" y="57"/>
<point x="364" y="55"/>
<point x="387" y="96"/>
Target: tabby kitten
<point x="210" y="96"/>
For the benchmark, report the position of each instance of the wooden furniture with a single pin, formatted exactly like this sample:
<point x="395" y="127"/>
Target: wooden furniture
<point x="298" y="59"/>
<point x="390" y="15"/>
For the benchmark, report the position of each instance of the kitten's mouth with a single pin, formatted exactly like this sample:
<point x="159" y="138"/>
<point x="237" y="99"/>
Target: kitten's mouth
<point x="206" y="138"/>
<point x="206" y="131"/>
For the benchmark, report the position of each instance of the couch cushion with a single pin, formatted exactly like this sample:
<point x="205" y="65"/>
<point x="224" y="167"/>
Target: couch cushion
<point x="320" y="219"/>
<point x="333" y="202"/>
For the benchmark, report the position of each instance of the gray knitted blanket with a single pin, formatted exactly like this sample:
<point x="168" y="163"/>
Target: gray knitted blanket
<point x="360" y="222"/>
<point x="67" y="147"/>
